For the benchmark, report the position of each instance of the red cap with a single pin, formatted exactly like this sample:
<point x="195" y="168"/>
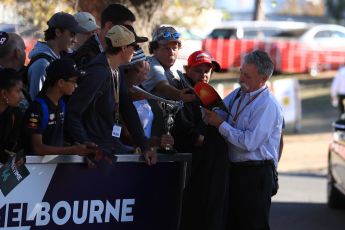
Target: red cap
<point x="201" y="57"/>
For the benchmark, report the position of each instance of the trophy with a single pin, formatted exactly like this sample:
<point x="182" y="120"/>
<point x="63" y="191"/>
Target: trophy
<point x="169" y="109"/>
<point x="169" y="112"/>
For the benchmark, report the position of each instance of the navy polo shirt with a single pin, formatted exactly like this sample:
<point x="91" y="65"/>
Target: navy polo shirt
<point x="52" y="134"/>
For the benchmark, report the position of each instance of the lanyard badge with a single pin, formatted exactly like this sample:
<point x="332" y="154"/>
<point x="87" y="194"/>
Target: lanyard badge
<point x="116" y="130"/>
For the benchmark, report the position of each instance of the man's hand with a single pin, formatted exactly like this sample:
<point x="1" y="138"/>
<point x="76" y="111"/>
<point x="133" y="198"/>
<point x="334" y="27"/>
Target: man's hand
<point x="166" y="140"/>
<point x="150" y="157"/>
<point x="83" y="150"/>
<point x="213" y="118"/>
<point x="143" y="69"/>
<point x="187" y="95"/>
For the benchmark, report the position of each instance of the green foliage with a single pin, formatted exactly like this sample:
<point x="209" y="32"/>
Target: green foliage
<point x="184" y="13"/>
<point x="38" y="12"/>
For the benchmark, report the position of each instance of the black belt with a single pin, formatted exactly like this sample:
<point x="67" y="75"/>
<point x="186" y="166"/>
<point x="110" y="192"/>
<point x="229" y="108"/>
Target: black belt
<point x="252" y="163"/>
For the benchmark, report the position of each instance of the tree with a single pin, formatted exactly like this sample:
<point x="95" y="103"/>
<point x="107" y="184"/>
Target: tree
<point x="146" y="11"/>
<point x="306" y="8"/>
<point x="259" y="13"/>
<point x="336" y="8"/>
<point x="38" y="12"/>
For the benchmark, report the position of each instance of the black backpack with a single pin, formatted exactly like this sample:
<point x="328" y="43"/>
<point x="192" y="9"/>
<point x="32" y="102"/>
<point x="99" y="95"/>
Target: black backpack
<point x="25" y="70"/>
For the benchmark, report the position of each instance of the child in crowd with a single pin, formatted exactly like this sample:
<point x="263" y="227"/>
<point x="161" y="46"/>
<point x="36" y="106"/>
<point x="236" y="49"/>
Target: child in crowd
<point x="44" y="120"/>
<point x="11" y="86"/>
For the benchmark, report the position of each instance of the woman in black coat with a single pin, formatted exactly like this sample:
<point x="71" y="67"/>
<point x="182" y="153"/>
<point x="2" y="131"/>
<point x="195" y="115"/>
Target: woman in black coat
<point x="10" y="115"/>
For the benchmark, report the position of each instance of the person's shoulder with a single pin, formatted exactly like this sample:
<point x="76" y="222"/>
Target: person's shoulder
<point x="39" y="64"/>
<point x="155" y="67"/>
<point x="272" y="101"/>
<point x="152" y="60"/>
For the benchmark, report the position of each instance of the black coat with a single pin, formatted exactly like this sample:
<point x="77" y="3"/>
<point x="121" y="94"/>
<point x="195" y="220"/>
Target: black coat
<point x="206" y="195"/>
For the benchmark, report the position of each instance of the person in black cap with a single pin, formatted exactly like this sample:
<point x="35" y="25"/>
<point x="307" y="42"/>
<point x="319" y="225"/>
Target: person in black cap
<point x="59" y="36"/>
<point x="44" y="120"/>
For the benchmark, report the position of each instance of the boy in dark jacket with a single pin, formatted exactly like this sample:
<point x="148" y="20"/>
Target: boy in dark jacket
<point x="44" y="120"/>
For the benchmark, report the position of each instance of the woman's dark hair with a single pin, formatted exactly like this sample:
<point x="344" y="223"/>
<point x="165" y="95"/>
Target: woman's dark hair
<point x="49" y="34"/>
<point x="117" y="14"/>
<point x="9" y="78"/>
<point x="109" y="49"/>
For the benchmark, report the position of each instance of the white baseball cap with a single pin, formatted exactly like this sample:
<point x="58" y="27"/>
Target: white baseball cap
<point x="86" y="20"/>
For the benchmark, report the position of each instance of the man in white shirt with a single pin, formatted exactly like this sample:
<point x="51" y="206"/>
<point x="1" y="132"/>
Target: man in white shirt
<point x="253" y="132"/>
<point x="338" y="90"/>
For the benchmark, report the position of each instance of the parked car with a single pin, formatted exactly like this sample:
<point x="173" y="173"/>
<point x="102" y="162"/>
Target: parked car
<point x="336" y="167"/>
<point x="322" y="46"/>
<point x="294" y="47"/>
<point x="252" y="29"/>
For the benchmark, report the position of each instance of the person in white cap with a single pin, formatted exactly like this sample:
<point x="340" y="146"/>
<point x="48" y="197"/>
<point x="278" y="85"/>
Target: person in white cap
<point x="88" y="22"/>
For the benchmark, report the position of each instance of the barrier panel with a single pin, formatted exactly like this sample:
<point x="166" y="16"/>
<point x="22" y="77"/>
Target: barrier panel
<point x="286" y="91"/>
<point x="61" y="192"/>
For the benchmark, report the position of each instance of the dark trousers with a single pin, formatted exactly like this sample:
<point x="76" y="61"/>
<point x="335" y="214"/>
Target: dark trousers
<point x="341" y="98"/>
<point x="250" y="189"/>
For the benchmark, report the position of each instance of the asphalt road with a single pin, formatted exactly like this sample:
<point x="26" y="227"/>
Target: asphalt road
<point x="301" y="205"/>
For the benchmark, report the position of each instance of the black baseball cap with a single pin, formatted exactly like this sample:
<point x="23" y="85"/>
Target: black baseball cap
<point x="65" y="21"/>
<point x="64" y="68"/>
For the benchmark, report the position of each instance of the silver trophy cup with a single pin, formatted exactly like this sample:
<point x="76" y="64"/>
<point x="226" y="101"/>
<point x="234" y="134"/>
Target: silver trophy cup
<point x="169" y="112"/>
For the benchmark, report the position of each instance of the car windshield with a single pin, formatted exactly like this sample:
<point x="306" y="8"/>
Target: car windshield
<point x="223" y="33"/>
<point x="293" y="33"/>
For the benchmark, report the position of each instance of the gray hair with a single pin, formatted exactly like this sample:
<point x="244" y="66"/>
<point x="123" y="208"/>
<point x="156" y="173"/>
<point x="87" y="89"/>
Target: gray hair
<point x="262" y="61"/>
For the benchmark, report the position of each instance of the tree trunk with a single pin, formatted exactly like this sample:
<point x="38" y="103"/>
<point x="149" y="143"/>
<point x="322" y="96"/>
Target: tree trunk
<point x="146" y="12"/>
<point x="259" y="12"/>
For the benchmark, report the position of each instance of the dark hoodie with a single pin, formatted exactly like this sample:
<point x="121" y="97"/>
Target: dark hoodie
<point x="91" y="108"/>
<point x="85" y="53"/>
<point x="188" y="126"/>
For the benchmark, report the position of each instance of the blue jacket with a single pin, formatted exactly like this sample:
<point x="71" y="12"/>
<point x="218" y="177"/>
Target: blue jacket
<point x="37" y="71"/>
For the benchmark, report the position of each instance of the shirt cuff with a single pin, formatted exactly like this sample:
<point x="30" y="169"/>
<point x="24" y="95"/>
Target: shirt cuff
<point x="223" y="128"/>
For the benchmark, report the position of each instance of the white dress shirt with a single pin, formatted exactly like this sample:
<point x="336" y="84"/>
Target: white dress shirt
<point x="338" y="84"/>
<point x="257" y="131"/>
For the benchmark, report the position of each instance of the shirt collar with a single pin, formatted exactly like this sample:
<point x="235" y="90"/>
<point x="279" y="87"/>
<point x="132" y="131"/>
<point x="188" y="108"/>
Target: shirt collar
<point x="251" y="94"/>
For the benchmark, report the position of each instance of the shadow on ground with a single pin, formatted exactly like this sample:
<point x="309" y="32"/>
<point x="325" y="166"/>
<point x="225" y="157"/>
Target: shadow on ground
<point x="305" y="216"/>
<point x="317" y="116"/>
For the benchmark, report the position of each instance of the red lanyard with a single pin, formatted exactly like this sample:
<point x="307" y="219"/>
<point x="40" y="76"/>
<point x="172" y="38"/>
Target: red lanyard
<point x="238" y="112"/>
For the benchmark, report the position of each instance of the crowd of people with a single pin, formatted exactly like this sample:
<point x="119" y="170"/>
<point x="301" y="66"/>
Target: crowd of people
<point x="76" y="97"/>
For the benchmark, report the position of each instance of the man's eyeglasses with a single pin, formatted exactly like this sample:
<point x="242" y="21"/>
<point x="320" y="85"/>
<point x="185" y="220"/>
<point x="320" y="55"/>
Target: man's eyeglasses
<point x="168" y="35"/>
